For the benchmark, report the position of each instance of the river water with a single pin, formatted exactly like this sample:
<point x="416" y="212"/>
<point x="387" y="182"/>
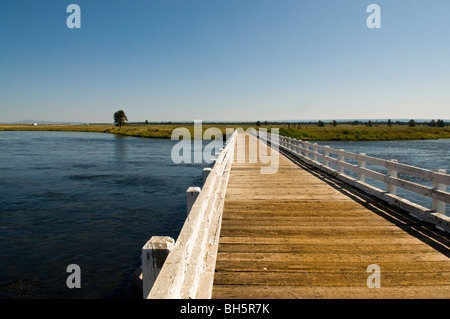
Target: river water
<point x="94" y="199"/>
<point x="89" y="199"/>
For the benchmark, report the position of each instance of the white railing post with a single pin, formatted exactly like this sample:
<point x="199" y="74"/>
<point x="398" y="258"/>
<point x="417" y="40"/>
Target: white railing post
<point x="154" y="254"/>
<point x="191" y="195"/>
<point x="299" y="146"/>
<point x="361" y="164"/>
<point x="295" y="145"/>
<point x="392" y="173"/>
<point x="307" y="149"/>
<point x="315" y="151"/>
<point x="326" y="153"/>
<point x="437" y="205"/>
<point x="205" y="173"/>
<point x="341" y="158"/>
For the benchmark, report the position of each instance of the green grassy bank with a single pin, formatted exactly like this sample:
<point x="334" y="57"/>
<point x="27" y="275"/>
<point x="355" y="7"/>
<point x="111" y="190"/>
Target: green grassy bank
<point x="309" y="132"/>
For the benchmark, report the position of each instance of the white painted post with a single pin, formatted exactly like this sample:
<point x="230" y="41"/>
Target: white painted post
<point x="154" y="254"/>
<point x="206" y="172"/>
<point x="437" y="205"/>
<point x="327" y="153"/>
<point x="315" y="151"/>
<point x="339" y="166"/>
<point x="393" y="173"/>
<point x="299" y="146"/>
<point x="361" y="164"/>
<point x="191" y="195"/>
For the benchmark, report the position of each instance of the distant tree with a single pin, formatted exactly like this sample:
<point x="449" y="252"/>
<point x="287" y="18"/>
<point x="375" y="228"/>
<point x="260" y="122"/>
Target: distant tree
<point x="320" y="124"/>
<point x="258" y="123"/>
<point x="369" y="123"/>
<point x="120" y="118"/>
<point x="411" y="123"/>
<point x="146" y="121"/>
<point x="355" y="122"/>
<point x="265" y="122"/>
<point x="440" y="123"/>
<point x="389" y="123"/>
<point x="334" y="123"/>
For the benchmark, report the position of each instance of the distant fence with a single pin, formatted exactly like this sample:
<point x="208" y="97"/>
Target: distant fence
<point x="188" y="269"/>
<point x="322" y="156"/>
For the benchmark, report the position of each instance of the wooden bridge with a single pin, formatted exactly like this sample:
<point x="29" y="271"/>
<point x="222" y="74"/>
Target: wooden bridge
<point x="307" y="231"/>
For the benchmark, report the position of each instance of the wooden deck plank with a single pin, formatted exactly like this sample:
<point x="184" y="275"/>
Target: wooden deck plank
<point x="337" y="278"/>
<point x="317" y="292"/>
<point x="296" y="235"/>
<point x="332" y="266"/>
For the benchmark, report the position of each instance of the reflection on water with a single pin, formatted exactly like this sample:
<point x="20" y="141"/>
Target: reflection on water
<point x="120" y="147"/>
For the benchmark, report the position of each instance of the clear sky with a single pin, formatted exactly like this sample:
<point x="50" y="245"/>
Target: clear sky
<point x="224" y="60"/>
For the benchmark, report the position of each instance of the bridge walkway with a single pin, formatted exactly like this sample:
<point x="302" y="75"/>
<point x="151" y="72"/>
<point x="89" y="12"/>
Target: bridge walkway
<point x="300" y="233"/>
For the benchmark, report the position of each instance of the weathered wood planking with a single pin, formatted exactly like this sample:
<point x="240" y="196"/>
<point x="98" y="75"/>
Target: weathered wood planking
<point x="302" y="234"/>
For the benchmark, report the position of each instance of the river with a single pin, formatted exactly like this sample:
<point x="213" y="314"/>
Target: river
<point x="89" y="199"/>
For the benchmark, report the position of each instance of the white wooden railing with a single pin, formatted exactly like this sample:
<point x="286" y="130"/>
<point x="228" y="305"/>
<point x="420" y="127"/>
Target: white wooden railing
<point x="321" y="157"/>
<point x="188" y="270"/>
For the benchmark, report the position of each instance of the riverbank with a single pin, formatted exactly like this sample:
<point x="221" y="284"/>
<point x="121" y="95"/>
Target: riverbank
<point x="308" y="132"/>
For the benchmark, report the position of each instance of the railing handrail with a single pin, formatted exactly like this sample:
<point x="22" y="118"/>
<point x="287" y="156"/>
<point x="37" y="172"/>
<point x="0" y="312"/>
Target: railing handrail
<point x="188" y="271"/>
<point x="422" y="173"/>
<point x="312" y="152"/>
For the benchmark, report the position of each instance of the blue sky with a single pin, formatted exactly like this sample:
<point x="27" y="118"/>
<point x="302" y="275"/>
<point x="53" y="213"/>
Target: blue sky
<point x="226" y="60"/>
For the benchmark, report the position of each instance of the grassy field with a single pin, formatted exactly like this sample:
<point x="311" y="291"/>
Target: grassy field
<point x="364" y="133"/>
<point x="309" y="132"/>
<point x="138" y="130"/>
